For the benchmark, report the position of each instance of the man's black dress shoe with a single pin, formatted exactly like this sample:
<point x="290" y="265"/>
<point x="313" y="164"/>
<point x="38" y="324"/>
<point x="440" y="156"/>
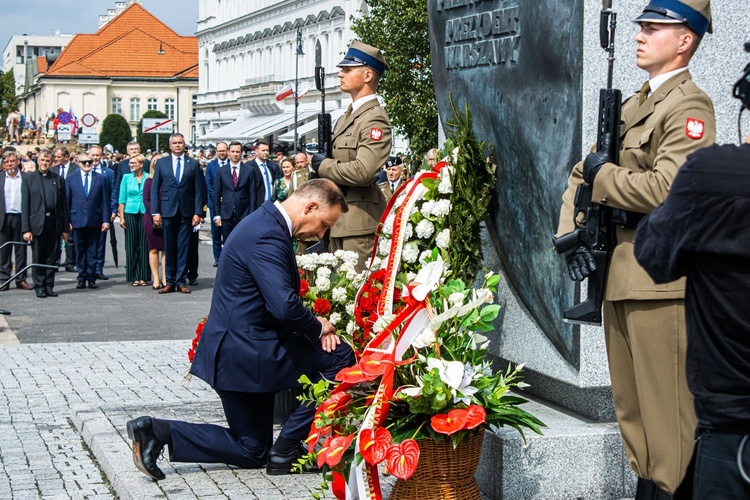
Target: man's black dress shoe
<point x="193" y="282"/>
<point x="81" y="285"/>
<point x="51" y="293"/>
<point x="279" y="464"/>
<point x="92" y="284"/>
<point x="216" y="264"/>
<point x="70" y="269"/>
<point x="102" y="277"/>
<point x="41" y="293"/>
<point x="146" y="448"/>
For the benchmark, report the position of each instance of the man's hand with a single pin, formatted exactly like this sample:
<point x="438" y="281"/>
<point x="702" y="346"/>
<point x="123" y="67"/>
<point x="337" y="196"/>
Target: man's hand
<point x="196" y="220"/>
<point x="328" y="339"/>
<point x="217" y="222"/>
<point x="27" y="236"/>
<point x="596" y="160"/>
<point x="112" y="218"/>
<point x="317" y="159"/>
<point x="580" y="262"/>
<point x="156" y="219"/>
<point x="105" y="227"/>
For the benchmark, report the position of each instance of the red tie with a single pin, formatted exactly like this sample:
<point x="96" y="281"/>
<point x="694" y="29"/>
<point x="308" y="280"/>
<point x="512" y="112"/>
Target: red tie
<point x="234" y="176"/>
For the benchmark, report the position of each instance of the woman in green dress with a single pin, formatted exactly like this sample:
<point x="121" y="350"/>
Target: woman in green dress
<point x="281" y="185"/>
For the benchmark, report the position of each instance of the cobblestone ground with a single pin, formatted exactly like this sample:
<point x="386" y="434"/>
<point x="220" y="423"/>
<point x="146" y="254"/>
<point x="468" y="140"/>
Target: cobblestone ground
<point x="44" y="388"/>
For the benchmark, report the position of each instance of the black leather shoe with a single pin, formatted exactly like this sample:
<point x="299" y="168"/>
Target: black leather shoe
<point x="280" y="464"/>
<point x="81" y="285"/>
<point x="193" y="282"/>
<point x="216" y="264"/>
<point x="146" y="448"/>
<point x="51" y="293"/>
<point x="92" y="284"/>
<point x="70" y="269"/>
<point x="41" y="293"/>
<point x="102" y="277"/>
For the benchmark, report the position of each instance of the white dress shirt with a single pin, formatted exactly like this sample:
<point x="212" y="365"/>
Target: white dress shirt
<point x="13" y="193"/>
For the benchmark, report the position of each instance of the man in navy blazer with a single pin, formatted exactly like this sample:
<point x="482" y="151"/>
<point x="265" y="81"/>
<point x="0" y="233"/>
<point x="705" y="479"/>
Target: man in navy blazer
<point x="233" y="202"/>
<point x="63" y="167"/>
<point x="258" y="340"/>
<point x="89" y="204"/>
<point x="268" y="172"/>
<point x="179" y="208"/>
<point x="100" y="168"/>
<point x="212" y="170"/>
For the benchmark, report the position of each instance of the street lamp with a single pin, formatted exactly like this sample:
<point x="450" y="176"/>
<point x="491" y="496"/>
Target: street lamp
<point x="296" y="85"/>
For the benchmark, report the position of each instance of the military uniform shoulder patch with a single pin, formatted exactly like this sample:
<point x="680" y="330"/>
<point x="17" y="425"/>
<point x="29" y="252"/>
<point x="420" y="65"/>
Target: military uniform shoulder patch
<point x="376" y="134"/>
<point x="694" y="128"/>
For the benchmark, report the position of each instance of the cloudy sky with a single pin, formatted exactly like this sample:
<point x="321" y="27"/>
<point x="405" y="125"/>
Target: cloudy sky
<point x="43" y="17"/>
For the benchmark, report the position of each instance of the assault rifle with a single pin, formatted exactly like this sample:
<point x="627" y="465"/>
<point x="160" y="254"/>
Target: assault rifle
<point x="595" y="228"/>
<point x="324" y="119"/>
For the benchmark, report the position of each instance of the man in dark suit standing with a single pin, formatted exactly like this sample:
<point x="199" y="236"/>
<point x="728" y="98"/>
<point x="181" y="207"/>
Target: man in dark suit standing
<point x="44" y="220"/>
<point x="212" y="169"/>
<point x="101" y="168"/>
<point x="233" y="191"/>
<point x="179" y="208"/>
<point x="123" y="167"/>
<point x="11" y="182"/>
<point x="258" y="340"/>
<point x="63" y="167"/>
<point x="268" y="171"/>
<point x="89" y="200"/>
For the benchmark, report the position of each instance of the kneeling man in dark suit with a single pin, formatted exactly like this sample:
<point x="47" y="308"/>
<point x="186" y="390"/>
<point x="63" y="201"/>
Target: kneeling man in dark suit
<point x="258" y="340"/>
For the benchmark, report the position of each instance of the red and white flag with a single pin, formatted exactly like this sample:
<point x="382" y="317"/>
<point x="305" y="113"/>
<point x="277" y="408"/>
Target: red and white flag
<point x="284" y="93"/>
<point x="301" y="93"/>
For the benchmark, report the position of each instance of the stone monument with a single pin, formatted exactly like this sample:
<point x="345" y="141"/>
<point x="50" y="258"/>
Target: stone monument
<point x="530" y="72"/>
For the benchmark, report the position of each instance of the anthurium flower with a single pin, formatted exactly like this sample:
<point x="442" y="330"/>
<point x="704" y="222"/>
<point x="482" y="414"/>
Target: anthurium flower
<point x="451" y="372"/>
<point x="353" y="375"/>
<point x="402" y="459"/>
<point x="449" y="423"/>
<point x="476" y="416"/>
<point x="372" y="364"/>
<point x="333" y="449"/>
<point x="428" y="278"/>
<point x="335" y="402"/>
<point x="374" y="444"/>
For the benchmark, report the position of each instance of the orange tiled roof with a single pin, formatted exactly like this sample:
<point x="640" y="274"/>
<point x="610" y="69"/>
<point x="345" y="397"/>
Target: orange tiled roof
<point x="41" y="64"/>
<point x="127" y="47"/>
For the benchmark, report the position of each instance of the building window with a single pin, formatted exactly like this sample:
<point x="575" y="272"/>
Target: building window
<point x="169" y="108"/>
<point x="195" y="103"/>
<point x="135" y="109"/>
<point x="152" y="104"/>
<point x="116" y="105"/>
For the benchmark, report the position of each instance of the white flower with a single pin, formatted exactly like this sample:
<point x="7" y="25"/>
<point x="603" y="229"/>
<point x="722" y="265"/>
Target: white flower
<point x="445" y="183"/>
<point x="388" y="225"/>
<point x="408" y="231"/>
<point x="384" y="246"/>
<point x="348" y="257"/>
<point x="350" y="309"/>
<point x="427" y="207"/>
<point x="424" y="256"/>
<point x="351" y="327"/>
<point x="442" y="208"/>
<point x="338" y="294"/>
<point x="307" y="262"/>
<point x="454" y="154"/>
<point x="374" y="263"/>
<point x="428" y="278"/>
<point x="334" y="318"/>
<point x="413" y="210"/>
<point x="443" y="239"/>
<point x="353" y="276"/>
<point x="324" y="272"/>
<point x="323" y="284"/>
<point x="451" y="372"/>
<point x="412" y="391"/>
<point x="410" y="253"/>
<point x="425" y="338"/>
<point x="479" y="340"/>
<point x="465" y="390"/>
<point x="456" y="298"/>
<point x="425" y="229"/>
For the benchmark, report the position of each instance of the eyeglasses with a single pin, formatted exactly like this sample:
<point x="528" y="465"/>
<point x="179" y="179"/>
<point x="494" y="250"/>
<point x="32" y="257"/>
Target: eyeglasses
<point x="87" y="162"/>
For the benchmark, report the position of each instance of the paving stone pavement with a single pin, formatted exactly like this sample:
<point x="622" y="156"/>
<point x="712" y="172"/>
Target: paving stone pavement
<point x="63" y="409"/>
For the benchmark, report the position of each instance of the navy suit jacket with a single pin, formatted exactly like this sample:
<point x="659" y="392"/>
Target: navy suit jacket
<point x="258" y="336"/>
<point x="113" y="200"/>
<point x="186" y="199"/>
<point x="212" y="169"/>
<point x="92" y="211"/>
<point x="72" y="167"/>
<point x="239" y="200"/>
<point x="259" y="187"/>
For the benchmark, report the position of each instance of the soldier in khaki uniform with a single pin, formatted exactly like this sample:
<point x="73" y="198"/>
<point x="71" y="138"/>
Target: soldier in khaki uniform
<point x="361" y="146"/>
<point x="644" y="323"/>
<point x="394" y="170"/>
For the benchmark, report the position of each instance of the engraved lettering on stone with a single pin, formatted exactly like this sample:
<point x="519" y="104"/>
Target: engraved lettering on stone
<point x="481" y="39"/>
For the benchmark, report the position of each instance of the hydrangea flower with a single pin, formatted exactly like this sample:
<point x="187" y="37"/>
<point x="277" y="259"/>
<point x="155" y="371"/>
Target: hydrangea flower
<point x="443" y="239"/>
<point x="425" y="229"/>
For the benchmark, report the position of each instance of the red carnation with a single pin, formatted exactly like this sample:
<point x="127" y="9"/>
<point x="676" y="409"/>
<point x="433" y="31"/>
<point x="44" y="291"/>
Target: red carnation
<point x="191" y="354"/>
<point x="304" y="287"/>
<point x="322" y="307"/>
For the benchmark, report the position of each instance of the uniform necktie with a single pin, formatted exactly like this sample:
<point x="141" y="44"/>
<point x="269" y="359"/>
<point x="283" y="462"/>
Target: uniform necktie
<point x="393" y="187"/>
<point x="644" y="93"/>
<point x="348" y="111"/>
<point x="234" y="176"/>
<point x="177" y="172"/>
<point x="86" y="184"/>
<point x="267" y="180"/>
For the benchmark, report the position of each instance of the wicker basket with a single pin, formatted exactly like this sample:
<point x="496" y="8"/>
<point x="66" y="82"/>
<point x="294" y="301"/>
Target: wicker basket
<point x="443" y="473"/>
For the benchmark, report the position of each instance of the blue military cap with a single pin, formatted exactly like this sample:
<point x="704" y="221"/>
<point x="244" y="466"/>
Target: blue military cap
<point x="361" y="54"/>
<point x="696" y="14"/>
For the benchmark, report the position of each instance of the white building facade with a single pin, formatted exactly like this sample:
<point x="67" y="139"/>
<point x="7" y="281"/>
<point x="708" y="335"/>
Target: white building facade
<point x="25" y="48"/>
<point x="247" y="54"/>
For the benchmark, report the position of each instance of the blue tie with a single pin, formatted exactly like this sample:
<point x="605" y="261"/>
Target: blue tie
<point x="268" y="182"/>
<point x="86" y="184"/>
<point x="177" y="174"/>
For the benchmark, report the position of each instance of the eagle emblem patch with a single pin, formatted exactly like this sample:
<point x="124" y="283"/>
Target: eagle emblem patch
<point x="694" y="128"/>
<point x="376" y="134"/>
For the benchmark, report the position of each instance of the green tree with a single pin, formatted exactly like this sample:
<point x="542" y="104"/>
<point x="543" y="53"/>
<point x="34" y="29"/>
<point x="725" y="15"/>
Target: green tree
<point x="148" y="141"/>
<point x="115" y="131"/>
<point x="7" y="94"/>
<point x="399" y="28"/>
